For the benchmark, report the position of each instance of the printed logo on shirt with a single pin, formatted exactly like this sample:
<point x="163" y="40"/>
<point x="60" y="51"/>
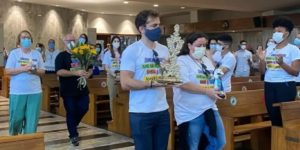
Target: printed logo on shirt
<point x="115" y="64"/>
<point x="75" y="64"/>
<point x="271" y="62"/>
<point x="205" y="81"/>
<point x="27" y="61"/>
<point x="152" y="70"/>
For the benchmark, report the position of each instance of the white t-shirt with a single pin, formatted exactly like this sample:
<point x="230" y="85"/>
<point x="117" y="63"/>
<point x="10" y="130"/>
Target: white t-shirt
<point x="25" y="83"/>
<point x="242" y="65"/>
<point x="229" y="62"/>
<point x="112" y="63"/>
<point x="274" y="72"/>
<point x="50" y="59"/>
<point x="217" y="56"/>
<point x="139" y="59"/>
<point x="188" y="105"/>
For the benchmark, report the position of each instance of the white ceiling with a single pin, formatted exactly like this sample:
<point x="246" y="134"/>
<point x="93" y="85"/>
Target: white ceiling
<point x="167" y="6"/>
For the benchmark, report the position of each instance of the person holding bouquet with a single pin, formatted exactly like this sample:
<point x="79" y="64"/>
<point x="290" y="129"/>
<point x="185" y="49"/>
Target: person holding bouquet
<point x="112" y="66"/>
<point x="25" y="67"/>
<point x="75" y="96"/>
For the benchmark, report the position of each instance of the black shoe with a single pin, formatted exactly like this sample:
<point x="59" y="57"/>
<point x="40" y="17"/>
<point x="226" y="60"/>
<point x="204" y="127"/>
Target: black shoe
<point x="74" y="141"/>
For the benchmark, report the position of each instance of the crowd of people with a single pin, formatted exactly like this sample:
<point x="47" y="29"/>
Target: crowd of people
<point x="139" y="66"/>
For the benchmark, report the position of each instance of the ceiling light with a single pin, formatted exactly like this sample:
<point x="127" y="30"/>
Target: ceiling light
<point x="83" y="10"/>
<point x="57" y="5"/>
<point x="182" y="7"/>
<point x="125" y="2"/>
<point x="39" y="15"/>
<point x="19" y="0"/>
<point x="155" y="5"/>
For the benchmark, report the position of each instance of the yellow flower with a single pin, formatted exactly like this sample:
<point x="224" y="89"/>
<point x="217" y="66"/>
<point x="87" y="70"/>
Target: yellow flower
<point x="93" y="52"/>
<point x="75" y="51"/>
<point x="81" y="51"/>
<point x="85" y="46"/>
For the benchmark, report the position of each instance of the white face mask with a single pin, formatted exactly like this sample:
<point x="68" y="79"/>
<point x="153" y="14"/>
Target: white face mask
<point x="278" y="37"/>
<point x="199" y="52"/>
<point x="116" y="45"/>
<point x="71" y="45"/>
<point x="243" y="47"/>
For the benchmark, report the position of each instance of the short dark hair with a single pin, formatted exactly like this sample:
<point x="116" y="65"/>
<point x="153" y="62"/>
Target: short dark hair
<point x="283" y="22"/>
<point x="190" y="39"/>
<point x="86" y="38"/>
<point x="142" y="17"/>
<point x="226" y="38"/>
<point x="243" y="41"/>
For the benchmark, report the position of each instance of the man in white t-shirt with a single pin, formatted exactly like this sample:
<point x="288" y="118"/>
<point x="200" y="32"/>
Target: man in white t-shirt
<point x="140" y="68"/>
<point x="50" y="56"/>
<point x="225" y="60"/>
<point x="297" y="43"/>
<point x="244" y="60"/>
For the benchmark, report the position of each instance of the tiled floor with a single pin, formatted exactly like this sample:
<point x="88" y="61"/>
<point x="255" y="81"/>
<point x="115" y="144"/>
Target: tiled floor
<point x="56" y="134"/>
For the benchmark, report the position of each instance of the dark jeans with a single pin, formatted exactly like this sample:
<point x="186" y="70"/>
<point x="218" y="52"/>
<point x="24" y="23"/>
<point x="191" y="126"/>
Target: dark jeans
<point x="150" y="131"/>
<point x="275" y="93"/>
<point x="76" y="107"/>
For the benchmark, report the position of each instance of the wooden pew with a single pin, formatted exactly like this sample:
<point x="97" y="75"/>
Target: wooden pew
<point x="244" y="86"/>
<point x="5" y="85"/>
<point x="288" y="136"/>
<point x="245" y="79"/>
<point x="120" y="123"/>
<point x="97" y="88"/>
<point x="244" y="104"/>
<point x="49" y="83"/>
<point x="23" y="142"/>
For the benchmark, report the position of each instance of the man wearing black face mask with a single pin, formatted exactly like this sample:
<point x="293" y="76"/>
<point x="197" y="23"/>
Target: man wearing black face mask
<point x="140" y="68"/>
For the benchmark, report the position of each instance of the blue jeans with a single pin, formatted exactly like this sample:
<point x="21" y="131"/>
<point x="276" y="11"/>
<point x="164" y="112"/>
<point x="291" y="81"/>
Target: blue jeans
<point x="150" y="131"/>
<point x="191" y="131"/>
<point x="76" y="107"/>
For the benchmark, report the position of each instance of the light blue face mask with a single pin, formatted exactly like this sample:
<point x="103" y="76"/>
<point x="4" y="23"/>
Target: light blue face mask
<point x="213" y="47"/>
<point x="81" y="40"/>
<point x="297" y="41"/>
<point x="219" y="47"/>
<point x="38" y="49"/>
<point x="278" y="37"/>
<point x="26" y="42"/>
<point x="98" y="49"/>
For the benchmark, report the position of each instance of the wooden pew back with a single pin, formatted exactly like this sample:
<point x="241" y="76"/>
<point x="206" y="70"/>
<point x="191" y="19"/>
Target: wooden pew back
<point x="245" y="79"/>
<point x="244" y="86"/>
<point x="242" y="104"/>
<point x="27" y="141"/>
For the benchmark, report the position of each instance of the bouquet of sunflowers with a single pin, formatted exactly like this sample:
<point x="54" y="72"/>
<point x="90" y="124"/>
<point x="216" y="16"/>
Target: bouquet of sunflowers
<point x="85" y="54"/>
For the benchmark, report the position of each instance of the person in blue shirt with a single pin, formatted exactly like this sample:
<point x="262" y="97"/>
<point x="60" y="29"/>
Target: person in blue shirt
<point x="25" y="67"/>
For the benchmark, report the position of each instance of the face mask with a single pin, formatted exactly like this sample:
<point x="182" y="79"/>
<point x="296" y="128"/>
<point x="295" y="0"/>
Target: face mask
<point x="154" y="34"/>
<point x="25" y="43"/>
<point x="38" y="49"/>
<point x="213" y="46"/>
<point x="97" y="49"/>
<point x="199" y="52"/>
<point x="270" y="44"/>
<point x="51" y="45"/>
<point x="71" y="45"/>
<point x="116" y="45"/>
<point x="297" y="41"/>
<point x="81" y="40"/>
<point x="219" y="47"/>
<point x="243" y="46"/>
<point x="278" y="37"/>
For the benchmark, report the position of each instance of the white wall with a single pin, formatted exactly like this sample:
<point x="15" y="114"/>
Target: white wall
<point x="175" y="19"/>
<point x="112" y="24"/>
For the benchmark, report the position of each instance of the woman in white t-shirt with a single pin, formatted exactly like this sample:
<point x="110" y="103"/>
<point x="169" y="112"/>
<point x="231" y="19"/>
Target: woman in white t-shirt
<point x="25" y="67"/>
<point x="194" y="101"/>
<point x="111" y="64"/>
<point x="281" y="65"/>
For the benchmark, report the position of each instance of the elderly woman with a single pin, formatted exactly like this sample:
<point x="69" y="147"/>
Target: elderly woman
<point x="24" y="66"/>
<point x="194" y="101"/>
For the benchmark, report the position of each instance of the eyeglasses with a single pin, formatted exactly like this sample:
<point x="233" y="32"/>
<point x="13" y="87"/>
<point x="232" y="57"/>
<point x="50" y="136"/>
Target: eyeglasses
<point x="155" y="58"/>
<point x="204" y="70"/>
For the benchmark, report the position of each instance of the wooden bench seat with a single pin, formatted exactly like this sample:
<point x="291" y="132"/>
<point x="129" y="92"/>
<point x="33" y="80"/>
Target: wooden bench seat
<point x="23" y="142"/>
<point x="251" y="126"/>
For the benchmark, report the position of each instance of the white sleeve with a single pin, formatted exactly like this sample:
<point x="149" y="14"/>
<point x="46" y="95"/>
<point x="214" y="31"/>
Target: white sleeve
<point x="128" y="60"/>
